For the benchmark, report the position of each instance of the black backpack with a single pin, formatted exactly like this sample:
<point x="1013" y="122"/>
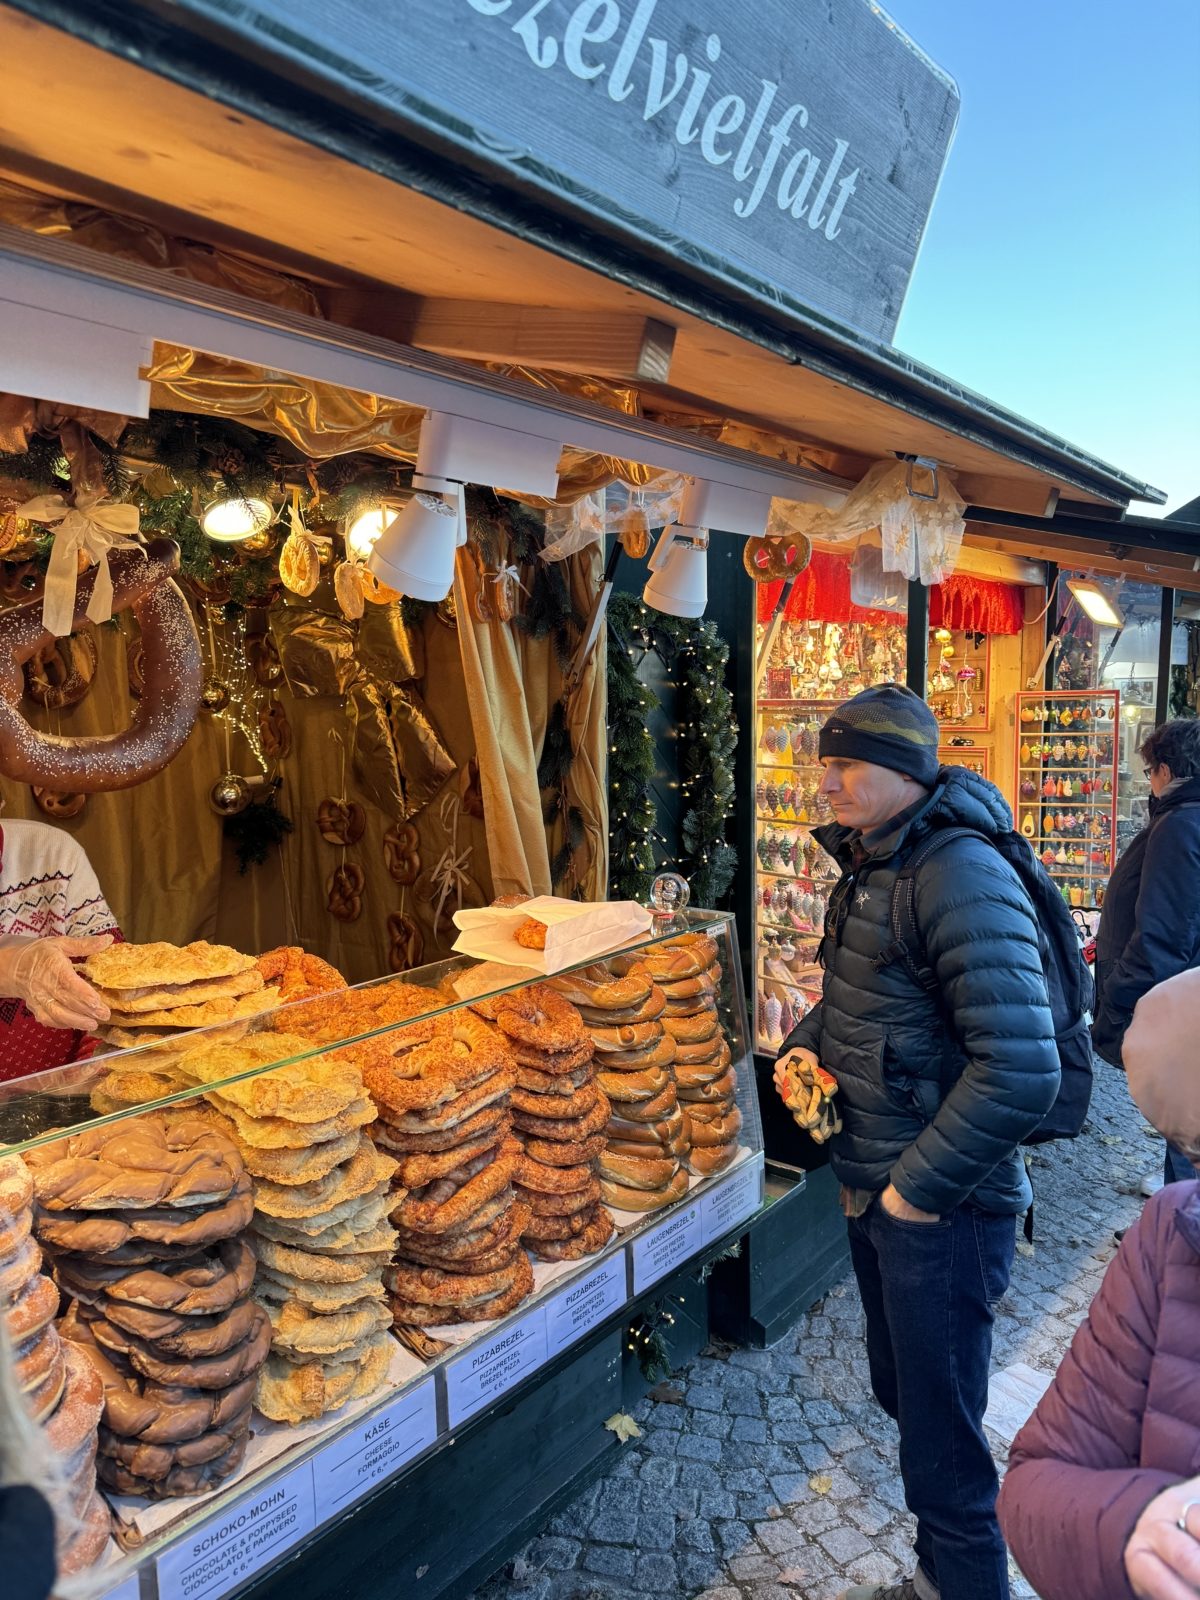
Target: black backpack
<point x="1068" y="977"/>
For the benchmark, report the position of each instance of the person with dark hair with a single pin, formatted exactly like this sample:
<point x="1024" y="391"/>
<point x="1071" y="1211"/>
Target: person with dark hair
<point x="1150" y="923"/>
<point x="938" y="1082"/>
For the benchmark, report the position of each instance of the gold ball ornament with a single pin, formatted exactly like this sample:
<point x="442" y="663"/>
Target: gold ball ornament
<point x="214" y="694"/>
<point x="229" y="795"/>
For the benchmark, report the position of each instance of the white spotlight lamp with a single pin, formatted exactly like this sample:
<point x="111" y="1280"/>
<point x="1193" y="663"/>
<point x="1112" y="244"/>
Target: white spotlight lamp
<point x="1096" y="602"/>
<point x="230" y="521"/>
<point x="414" y="553"/>
<point x="678" y="583"/>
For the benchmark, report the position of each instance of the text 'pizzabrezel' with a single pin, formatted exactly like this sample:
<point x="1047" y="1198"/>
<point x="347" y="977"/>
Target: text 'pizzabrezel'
<point x="768" y="159"/>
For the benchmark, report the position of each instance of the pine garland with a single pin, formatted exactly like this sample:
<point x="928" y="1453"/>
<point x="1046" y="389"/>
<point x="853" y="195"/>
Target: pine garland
<point x="707" y="738"/>
<point x="632" y="815"/>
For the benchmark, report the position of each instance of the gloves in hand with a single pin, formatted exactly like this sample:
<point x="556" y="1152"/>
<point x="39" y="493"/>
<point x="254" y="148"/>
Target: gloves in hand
<point x="39" y="971"/>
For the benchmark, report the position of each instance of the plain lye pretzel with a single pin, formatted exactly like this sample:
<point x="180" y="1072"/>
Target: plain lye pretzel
<point x="162" y="717"/>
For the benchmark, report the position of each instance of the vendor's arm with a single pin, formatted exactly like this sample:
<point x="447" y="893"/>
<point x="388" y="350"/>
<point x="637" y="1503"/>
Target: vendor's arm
<point x="39" y="972"/>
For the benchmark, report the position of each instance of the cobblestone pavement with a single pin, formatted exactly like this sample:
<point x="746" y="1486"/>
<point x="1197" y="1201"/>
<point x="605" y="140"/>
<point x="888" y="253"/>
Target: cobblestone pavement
<point x="776" y="1477"/>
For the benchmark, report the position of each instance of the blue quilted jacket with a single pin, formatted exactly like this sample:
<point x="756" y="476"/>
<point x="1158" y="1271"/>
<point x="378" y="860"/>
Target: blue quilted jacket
<point x="936" y="1089"/>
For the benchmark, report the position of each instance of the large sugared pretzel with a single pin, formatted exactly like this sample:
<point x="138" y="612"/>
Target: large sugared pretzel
<point x="162" y="718"/>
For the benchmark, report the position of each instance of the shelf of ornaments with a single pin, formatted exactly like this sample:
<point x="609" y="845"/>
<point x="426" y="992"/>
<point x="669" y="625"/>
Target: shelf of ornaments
<point x="795" y="877"/>
<point x="773" y="820"/>
<point x="800" y="985"/>
<point x="808" y="701"/>
<point x="796" y="935"/>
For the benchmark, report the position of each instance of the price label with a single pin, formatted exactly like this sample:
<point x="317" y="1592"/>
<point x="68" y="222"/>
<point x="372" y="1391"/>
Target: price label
<point x="582" y="1305"/>
<point x="226" y="1551"/>
<point x="373" y="1450"/>
<point x="663" y="1248"/>
<point x="732" y="1201"/>
<point x="493" y="1366"/>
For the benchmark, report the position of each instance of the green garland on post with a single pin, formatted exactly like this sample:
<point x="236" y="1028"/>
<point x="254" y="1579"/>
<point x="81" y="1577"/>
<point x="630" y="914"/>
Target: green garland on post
<point x="707" y="736"/>
<point x="632" y="815"/>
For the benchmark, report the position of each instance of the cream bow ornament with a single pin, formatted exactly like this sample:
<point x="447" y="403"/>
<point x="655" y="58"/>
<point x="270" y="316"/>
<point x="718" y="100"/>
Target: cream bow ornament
<point x="93" y="526"/>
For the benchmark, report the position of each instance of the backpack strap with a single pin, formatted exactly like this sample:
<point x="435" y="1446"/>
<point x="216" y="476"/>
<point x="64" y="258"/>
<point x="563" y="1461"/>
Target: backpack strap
<point x="907" y="946"/>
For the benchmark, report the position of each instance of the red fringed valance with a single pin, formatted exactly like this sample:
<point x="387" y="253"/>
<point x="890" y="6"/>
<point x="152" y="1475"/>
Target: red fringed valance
<point x="822" y="592"/>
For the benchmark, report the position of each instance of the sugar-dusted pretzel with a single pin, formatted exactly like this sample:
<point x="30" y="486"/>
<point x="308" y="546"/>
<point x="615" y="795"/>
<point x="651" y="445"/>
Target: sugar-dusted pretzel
<point x="162" y="717"/>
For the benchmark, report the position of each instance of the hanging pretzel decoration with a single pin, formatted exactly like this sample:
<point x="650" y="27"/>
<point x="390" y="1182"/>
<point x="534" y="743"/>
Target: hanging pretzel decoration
<point x="162" y="718"/>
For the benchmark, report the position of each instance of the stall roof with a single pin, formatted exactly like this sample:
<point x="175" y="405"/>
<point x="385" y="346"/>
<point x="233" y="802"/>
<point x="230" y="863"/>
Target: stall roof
<point x="184" y="132"/>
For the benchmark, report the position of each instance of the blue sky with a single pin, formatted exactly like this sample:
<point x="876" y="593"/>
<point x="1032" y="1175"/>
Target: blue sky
<point x="1060" y="272"/>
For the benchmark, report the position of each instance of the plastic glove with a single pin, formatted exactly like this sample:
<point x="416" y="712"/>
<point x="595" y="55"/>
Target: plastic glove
<point x="39" y="971"/>
<point x="807" y="1090"/>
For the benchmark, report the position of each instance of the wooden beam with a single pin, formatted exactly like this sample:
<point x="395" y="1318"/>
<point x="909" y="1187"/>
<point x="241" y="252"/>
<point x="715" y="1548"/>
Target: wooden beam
<point x="604" y="344"/>
<point x="1141" y="564"/>
<point x="1036" y="497"/>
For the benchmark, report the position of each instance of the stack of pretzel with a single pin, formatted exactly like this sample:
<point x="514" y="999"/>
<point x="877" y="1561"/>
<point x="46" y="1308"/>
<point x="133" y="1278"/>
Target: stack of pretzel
<point x="559" y="1113"/>
<point x="143" y="1222"/>
<point x="687" y="971"/>
<point x="157" y="993"/>
<point x="442" y="1087"/>
<point x="57" y="1384"/>
<point x="321" y="1193"/>
<point x="645" y="1136"/>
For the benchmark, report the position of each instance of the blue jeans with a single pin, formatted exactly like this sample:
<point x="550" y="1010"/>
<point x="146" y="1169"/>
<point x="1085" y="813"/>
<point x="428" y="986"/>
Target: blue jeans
<point x="1178" y="1167"/>
<point x="930" y="1290"/>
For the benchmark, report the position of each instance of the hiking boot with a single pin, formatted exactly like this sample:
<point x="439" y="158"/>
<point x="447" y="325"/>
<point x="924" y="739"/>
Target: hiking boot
<point x="906" y="1589"/>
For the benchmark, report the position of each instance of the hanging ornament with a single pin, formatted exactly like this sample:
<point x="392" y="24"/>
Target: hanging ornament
<point x="341" y="821"/>
<point x="62" y="807"/>
<point x="943" y="635"/>
<point x="344" y="891"/>
<point x="348" y="590"/>
<point x="60" y="674"/>
<point x="300" y="558"/>
<point x="634" y="533"/>
<point x="214" y="694"/>
<point x="1028" y="827"/>
<point x="229" y="795"/>
<point x="275" y="731"/>
<point x="406" y="944"/>
<point x="400" y="854"/>
<point x="263" y="656"/>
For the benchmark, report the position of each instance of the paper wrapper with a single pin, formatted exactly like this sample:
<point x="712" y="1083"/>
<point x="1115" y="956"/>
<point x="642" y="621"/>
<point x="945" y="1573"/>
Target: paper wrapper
<point x="574" y="932"/>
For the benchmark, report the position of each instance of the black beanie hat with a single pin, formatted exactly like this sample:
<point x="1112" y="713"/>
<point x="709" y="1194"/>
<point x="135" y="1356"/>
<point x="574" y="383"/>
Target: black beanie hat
<point x="889" y="726"/>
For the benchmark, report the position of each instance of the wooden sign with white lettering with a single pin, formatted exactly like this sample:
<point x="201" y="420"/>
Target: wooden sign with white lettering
<point x="789" y="149"/>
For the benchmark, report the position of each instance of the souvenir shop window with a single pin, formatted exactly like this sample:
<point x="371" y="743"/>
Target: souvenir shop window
<point x="1121" y="657"/>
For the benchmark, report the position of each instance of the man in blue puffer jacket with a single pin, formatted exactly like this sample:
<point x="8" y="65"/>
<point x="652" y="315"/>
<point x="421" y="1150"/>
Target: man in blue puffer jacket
<point x="936" y="1090"/>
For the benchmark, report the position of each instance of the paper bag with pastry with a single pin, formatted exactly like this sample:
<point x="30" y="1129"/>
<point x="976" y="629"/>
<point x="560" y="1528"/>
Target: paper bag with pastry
<point x="548" y="934"/>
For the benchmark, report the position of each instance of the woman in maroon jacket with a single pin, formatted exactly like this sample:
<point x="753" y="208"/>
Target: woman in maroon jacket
<point x="1102" y="1497"/>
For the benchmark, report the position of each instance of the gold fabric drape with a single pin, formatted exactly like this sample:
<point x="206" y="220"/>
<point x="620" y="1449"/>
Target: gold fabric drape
<point x="512" y="684"/>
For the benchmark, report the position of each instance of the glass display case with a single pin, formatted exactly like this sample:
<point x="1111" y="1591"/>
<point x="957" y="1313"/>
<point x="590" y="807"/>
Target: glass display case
<point x="435" y="1080"/>
<point x="1068" y="747"/>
